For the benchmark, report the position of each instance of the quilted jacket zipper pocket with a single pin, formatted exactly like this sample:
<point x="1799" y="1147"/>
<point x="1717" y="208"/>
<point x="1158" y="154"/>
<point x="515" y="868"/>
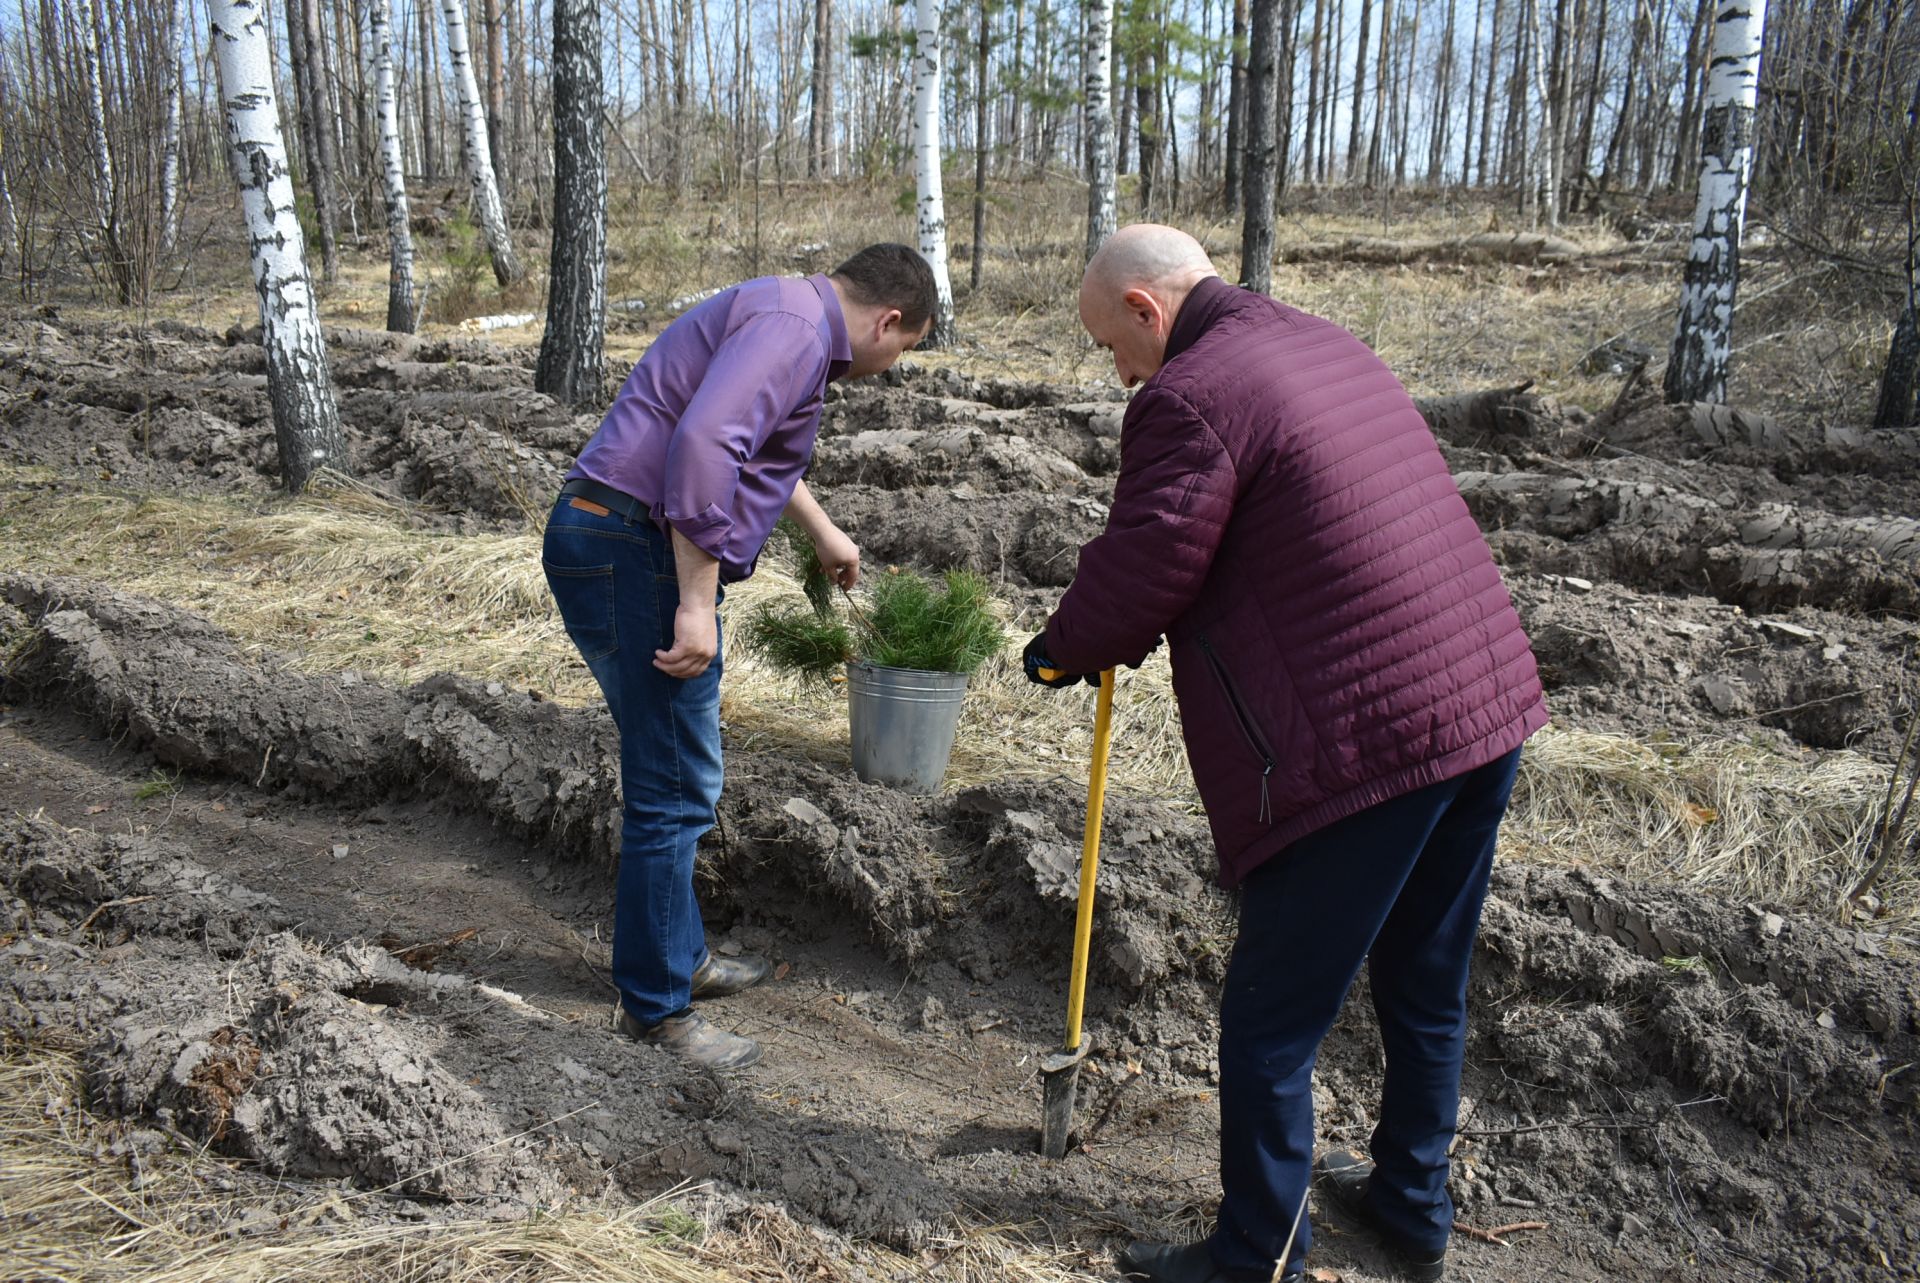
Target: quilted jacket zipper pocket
<point x="1244" y="716"/>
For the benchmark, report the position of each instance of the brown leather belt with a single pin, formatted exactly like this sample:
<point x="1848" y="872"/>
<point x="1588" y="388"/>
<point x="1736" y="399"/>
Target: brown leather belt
<point x="617" y="502"/>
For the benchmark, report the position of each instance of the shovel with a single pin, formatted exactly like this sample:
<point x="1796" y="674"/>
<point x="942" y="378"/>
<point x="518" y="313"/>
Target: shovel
<point x="1060" y="1072"/>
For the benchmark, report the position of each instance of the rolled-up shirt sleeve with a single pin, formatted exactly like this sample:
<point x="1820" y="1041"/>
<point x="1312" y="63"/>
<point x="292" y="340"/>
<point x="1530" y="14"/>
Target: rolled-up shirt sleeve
<point x="757" y="376"/>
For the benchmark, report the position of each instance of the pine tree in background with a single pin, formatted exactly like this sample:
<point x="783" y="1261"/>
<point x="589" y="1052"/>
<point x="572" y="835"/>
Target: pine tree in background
<point x="1257" y="174"/>
<point x="569" y="367"/>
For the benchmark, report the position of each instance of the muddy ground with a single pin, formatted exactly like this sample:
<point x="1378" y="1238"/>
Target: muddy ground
<point x="1679" y="1088"/>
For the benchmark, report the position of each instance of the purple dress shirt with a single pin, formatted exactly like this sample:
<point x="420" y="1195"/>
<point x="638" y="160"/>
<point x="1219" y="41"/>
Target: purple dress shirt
<point x="714" y="427"/>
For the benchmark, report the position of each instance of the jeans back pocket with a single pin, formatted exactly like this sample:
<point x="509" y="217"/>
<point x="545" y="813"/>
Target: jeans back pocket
<point x="585" y="597"/>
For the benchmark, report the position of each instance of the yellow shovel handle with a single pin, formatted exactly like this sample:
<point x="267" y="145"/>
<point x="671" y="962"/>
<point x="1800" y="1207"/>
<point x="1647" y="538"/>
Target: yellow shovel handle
<point x="1090" y="857"/>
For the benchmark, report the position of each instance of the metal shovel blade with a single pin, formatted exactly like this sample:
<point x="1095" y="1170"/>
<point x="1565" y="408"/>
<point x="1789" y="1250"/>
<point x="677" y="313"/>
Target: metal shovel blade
<point x="1060" y="1079"/>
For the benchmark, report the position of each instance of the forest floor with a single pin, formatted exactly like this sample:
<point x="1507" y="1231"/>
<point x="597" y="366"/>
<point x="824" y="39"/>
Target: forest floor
<point x="307" y="819"/>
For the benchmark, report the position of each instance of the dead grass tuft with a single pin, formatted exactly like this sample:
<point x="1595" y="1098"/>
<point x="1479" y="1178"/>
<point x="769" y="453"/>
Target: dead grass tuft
<point x="90" y="1200"/>
<point x="1746" y="821"/>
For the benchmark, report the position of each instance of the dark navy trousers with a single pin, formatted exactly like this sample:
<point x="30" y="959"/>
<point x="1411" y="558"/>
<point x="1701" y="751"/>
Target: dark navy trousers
<point x="1399" y="886"/>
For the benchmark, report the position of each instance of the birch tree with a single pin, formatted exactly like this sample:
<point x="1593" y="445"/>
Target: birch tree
<point x="569" y="368"/>
<point x="1256" y="222"/>
<point x="479" y="156"/>
<point x="1547" y="137"/>
<point x="170" y="144"/>
<point x="1703" y="336"/>
<point x="106" y="198"/>
<point x="1101" y="215"/>
<point x="402" y="315"/>
<point x="306" y="422"/>
<point x="930" y="202"/>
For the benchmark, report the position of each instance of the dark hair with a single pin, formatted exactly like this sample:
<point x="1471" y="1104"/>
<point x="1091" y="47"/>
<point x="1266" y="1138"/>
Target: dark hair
<point x="889" y="275"/>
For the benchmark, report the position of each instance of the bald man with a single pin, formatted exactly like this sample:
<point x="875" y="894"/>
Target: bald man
<point x="1354" y="687"/>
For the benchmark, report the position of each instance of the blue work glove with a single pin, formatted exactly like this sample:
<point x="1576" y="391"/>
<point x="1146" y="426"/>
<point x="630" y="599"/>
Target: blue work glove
<point x="1034" y="660"/>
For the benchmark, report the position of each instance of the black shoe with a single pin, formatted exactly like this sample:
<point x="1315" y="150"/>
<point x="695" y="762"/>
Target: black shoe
<point x="1345" y="1175"/>
<point x="1188" y="1263"/>
<point x="720" y="977"/>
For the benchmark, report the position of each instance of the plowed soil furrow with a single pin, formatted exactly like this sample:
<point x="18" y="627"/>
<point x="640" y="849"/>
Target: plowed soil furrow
<point x="213" y="865"/>
<point x="1629" y="1044"/>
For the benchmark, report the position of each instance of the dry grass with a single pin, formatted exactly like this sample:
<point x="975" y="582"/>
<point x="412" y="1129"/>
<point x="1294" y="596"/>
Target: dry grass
<point x="76" y="1208"/>
<point x="341" y="581"/>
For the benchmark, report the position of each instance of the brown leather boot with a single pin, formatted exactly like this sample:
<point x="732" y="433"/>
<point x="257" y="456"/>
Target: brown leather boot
<point x="690" y="1037"/>
<point x="718" y="977"/>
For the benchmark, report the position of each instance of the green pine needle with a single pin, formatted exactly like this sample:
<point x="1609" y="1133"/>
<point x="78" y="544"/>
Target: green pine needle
<point x="912" y="623"/>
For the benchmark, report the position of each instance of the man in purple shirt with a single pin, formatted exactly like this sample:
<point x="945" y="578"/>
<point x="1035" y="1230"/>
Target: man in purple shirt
<point x="702" y="451"/>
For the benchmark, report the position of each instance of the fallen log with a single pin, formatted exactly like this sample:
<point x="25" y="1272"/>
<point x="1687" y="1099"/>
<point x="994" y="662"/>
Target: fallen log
<point x="1480" y="419"/>
<point x="1528" y="248"/>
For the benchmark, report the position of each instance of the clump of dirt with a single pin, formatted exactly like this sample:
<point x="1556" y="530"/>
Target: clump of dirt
<point x="178" y="685"/>
<point x="1021" y="539"/>
<point x="1777" y="1019"/>
<point x="1729" y="1074"/>
<point x="1681" y="665"/>
<point x="1084" y="433"/>
<point x="204" y="1017"/>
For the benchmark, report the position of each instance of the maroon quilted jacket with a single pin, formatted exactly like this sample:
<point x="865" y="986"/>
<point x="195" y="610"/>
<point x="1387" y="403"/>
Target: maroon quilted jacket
<point x="1338" y="630"/>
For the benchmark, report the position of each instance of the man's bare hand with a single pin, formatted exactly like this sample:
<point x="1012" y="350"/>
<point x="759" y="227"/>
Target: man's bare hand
<point x="839" y="556"/>
<point x="696" y="640"/>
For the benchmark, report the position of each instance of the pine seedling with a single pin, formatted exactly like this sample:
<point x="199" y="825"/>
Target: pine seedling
<point x="799" y="641"/>
<point x="914" y="625"/>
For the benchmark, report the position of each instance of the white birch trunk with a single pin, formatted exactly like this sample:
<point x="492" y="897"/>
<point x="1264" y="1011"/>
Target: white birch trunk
<point x="926" y="163"/>
<point x="1101" y="215"/>
<point x="1547" y="136"/>
<point x="103" y="193"/>
<point x="402" y="314"/>
<point x="306" y="421"/>
<point x="1703" y="336"/>
<point x="9" y="214"/>
<point x="170" y="148"/>
<point x="479" y="157"/>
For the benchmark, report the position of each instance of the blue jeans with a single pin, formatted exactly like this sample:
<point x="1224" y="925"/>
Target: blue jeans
<point x="617" y="592"/>
<point x="1399" y="885"/>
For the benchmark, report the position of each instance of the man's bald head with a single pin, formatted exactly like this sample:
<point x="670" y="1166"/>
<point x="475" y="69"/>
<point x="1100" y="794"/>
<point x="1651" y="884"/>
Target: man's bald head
<point x="1132" y="291"/>
<point x="1147" y="254"/>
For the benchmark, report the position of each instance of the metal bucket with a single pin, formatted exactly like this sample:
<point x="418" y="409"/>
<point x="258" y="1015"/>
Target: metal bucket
<point x="903" y="723"/>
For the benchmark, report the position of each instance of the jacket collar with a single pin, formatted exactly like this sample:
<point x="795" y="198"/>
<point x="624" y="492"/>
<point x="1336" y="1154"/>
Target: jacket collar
<point x="1203" y="304"/>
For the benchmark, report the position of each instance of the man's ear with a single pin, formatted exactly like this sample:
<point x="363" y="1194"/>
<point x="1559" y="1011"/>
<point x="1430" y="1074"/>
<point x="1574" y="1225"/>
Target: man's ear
<point x="888" y="320"/>
<point x="1141" y="305"/>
